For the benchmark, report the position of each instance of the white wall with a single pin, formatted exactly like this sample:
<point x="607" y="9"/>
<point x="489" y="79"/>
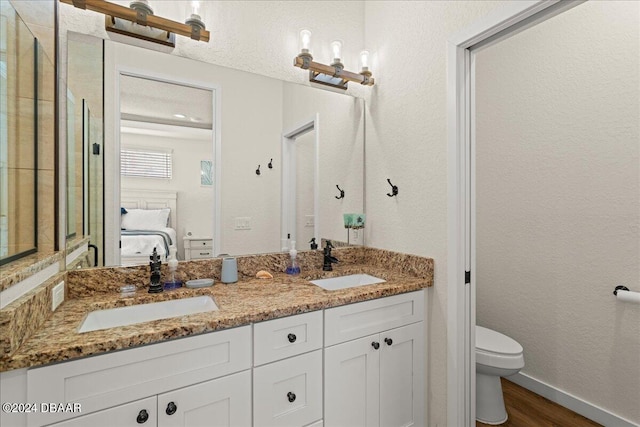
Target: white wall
<point x="407" y="142"/>
<point x="558" y="199"/>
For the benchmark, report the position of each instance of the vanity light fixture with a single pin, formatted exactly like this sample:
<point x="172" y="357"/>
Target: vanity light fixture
<point x="138" y="21"/>
<point x="331" y="75"/>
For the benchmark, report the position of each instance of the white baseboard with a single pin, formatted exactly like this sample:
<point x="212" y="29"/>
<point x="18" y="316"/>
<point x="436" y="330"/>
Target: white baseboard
<point x="571" y="402"/>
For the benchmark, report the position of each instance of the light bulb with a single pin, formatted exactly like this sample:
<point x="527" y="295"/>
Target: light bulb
<point x="195" y="7"/>
<point x="305" y="41"/>
<point x="364" y="60"/>
<point x="195" y="10"/>
<point x="336" y="48"/>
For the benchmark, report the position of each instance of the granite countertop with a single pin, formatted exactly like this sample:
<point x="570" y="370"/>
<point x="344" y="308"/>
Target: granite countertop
<point x="248" y="301"/>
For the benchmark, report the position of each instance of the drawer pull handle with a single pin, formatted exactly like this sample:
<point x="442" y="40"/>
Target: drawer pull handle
<point x="292" y="338"/>
<point x="291" y="396"/>
<point x="389" y="341"/>
<point x="143" y="416"/>
<point x="375" y="345"/>
<point x="171" y="408"/>
<point x="204" y="253"/>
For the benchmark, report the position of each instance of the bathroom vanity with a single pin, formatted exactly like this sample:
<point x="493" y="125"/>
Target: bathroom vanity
<point x="373" y="356"/>
<point x="276" y="352"/>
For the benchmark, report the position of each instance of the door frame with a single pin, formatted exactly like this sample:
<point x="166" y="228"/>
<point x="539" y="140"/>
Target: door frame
<point x="288" y="210"/>
<point x="498" y="25"/>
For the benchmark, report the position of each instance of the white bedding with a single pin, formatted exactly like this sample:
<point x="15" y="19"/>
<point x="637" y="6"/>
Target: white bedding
<point x="142" y="245"/>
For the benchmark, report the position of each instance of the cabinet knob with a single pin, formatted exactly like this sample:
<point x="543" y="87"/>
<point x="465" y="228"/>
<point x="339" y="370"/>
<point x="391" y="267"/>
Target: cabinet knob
<point x="171" y="408"/>
<point x="291" y="396"/>
<point x="143" y="416"/>
<point x="389" y="341"/>
<point x="375" y="345"/>
<point x="292" y="338"/>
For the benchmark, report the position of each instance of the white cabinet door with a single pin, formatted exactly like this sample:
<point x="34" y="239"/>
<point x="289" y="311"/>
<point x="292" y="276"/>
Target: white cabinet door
<point x="401" y="376"/>
<point x="221" y="402"/>
<point x="140" y="413"/>
<point x="351" y="385"/>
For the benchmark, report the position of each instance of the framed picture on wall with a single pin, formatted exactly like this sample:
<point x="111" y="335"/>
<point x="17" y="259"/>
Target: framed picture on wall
<point x="206" y="173"/>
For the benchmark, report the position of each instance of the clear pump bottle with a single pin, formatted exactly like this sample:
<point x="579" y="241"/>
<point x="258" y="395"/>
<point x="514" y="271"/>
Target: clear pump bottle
<point x="172" y="263"/>
<point x="292" y="267"/>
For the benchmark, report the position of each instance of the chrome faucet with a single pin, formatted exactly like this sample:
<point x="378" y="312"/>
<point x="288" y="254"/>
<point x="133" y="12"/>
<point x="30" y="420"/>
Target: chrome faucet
<point x="155" y="286"/>
<point x="328" y="258"/>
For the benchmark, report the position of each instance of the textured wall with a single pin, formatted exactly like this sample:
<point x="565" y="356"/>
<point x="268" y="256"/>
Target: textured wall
<point x="558" y="199"/>
<point x="407" y="142"/>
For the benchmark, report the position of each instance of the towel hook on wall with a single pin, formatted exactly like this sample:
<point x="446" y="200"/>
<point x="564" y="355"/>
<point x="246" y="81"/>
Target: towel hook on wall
<point x="394" y="189"/>
<point x="620" y="288"/>
<point x="270" y="165"/>
<point x="258" y="170"/>
<point x="341" y="196"/>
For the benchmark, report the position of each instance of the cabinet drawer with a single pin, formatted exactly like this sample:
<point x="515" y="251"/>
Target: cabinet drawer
<point x="141" y="412"/>
<point x="201" y="253"/>
<point x="288" y="392"/>
<point x="115" y="378"/>
<point x="201" y="243"/>
<point x="353" y="321"/>
<point x="279" y="338"/>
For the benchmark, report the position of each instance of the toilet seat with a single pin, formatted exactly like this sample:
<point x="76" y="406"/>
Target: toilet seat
<point x="497" y="350"/>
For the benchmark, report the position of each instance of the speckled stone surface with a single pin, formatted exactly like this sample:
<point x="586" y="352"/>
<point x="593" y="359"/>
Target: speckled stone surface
<point x="21" y="269"/>
<point x="82" y="283"/>
<point x="20" y="319"/>
<point x="76" y="243"/>
<point x="250" y="300"/>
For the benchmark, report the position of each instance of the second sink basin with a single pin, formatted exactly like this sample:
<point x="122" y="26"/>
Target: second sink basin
<point x="122" y="316"/>
<point x="344" y="282"/>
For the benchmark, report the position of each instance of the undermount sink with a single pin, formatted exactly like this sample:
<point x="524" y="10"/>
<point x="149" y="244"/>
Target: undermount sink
<point x="344" y="282"/>
<point x="122" y="316"/>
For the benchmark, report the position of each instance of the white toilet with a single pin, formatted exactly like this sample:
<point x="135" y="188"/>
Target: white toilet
<point x="497" y="356"/>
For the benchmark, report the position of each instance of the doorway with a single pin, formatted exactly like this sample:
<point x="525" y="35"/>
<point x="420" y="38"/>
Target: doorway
<point x="511" y="19"/>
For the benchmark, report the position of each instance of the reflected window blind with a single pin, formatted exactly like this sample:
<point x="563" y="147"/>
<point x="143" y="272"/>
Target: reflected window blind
<point x="145" y="163"/>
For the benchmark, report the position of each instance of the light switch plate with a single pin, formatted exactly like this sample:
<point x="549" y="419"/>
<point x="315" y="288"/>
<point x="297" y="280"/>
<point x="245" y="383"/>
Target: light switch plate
<point x="309" y="221"/>
<point x="243" y="223"/>
<point x="57" y="295"/>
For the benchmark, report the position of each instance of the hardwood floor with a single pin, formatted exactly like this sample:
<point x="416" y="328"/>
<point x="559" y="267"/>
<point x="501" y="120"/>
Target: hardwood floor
<point x="527" y="409"/>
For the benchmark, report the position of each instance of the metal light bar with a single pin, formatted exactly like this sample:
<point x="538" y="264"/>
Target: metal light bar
<point x="117" y="11"/>
<point x="328" y="75"/>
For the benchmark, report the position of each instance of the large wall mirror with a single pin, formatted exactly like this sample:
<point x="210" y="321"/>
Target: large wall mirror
<point x="211" y="140"/>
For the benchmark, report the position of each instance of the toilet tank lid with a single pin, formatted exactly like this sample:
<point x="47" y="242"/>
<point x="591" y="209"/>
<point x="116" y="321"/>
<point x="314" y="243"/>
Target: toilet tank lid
<point x="495" y="342"/>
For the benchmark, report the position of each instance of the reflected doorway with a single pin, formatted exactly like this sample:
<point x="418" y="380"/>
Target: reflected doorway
<point x="300" y="147"/>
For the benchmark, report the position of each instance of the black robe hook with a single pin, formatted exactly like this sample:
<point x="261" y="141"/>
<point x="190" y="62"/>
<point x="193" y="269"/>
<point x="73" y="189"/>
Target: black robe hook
<point x="394" y="189"/>
<point x="341" y="193"/>
<point x="270" y="165"/>
<point x="258" y="170"/>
